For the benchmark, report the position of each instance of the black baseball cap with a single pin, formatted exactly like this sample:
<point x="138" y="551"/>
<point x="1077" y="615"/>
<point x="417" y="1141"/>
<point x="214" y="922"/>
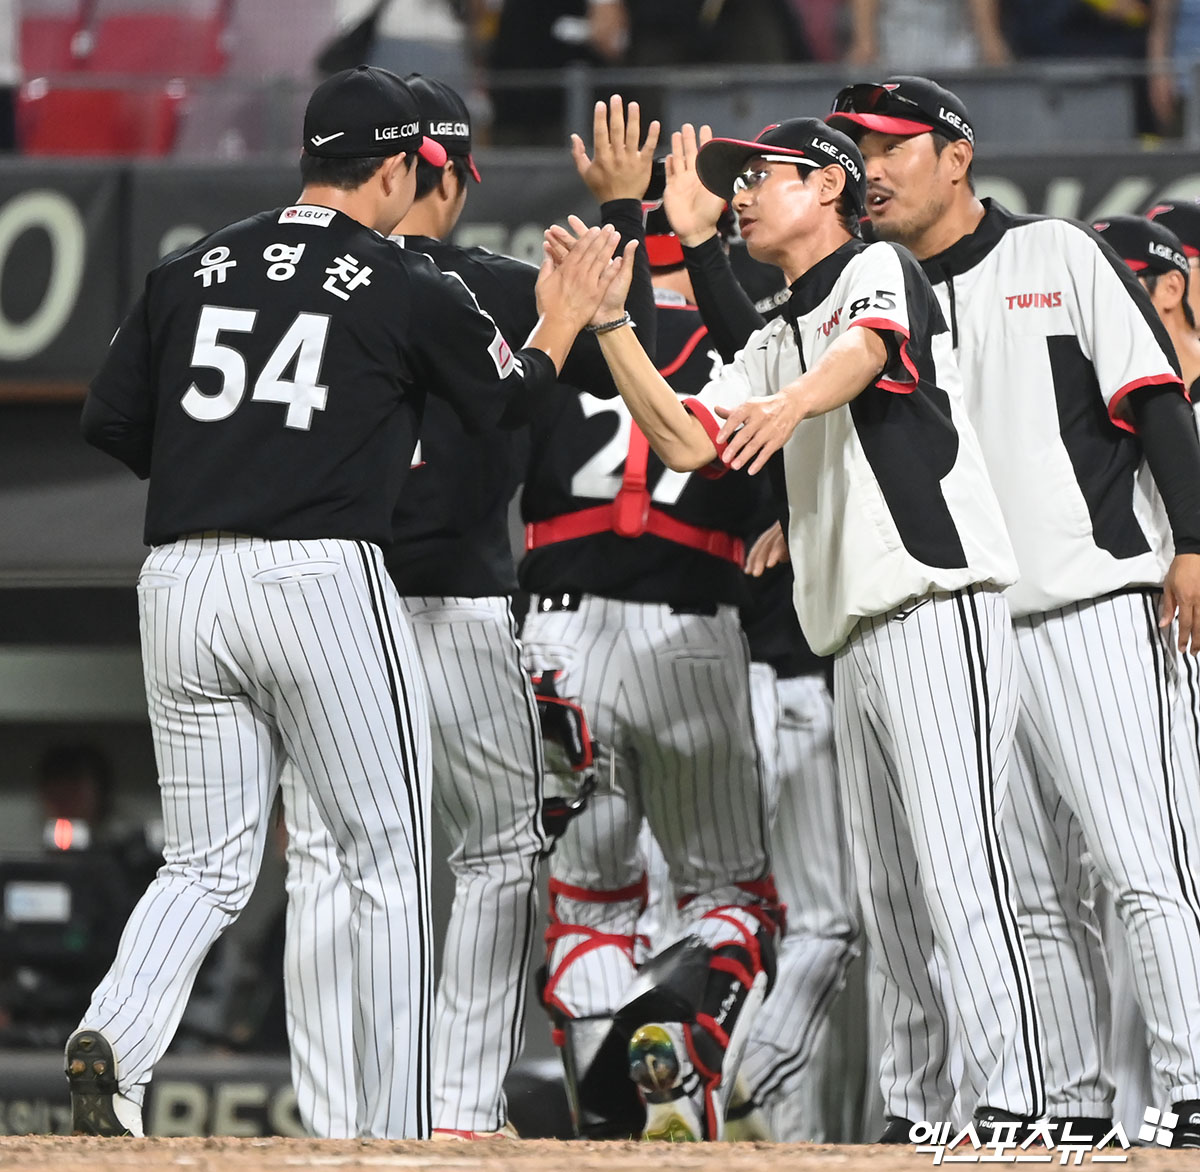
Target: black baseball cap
<point x="901" y="105"/>
<point x="366" y="113"/>
<point x="663" y="249"/>
<point x="1183" y="218"/>
<point x="803" y="141"/>
<point x="1146" y="246"/>
<point x="445" y="117"/>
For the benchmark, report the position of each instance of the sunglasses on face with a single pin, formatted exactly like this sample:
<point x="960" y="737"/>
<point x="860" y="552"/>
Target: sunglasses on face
<point x="753" y="177"/>
<point x="749" y="179"/>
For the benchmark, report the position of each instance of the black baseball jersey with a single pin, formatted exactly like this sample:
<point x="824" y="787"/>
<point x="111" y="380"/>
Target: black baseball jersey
<point x="450" y="530"/>
<point x="271" y="378"/>
<point x="580" y="457"/>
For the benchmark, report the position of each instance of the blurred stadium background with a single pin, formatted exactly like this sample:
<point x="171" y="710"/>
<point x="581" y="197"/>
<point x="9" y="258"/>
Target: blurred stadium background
<point x="133" y="127"/>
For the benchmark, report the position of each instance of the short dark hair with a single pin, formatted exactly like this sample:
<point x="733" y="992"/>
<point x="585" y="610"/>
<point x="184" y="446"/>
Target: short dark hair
<point x="429" y="176"/>
<point x="847" y="212"/>
<point x="940" y="143"/>
<point x="1150" y="280"/>
<point x="344" y="174"/>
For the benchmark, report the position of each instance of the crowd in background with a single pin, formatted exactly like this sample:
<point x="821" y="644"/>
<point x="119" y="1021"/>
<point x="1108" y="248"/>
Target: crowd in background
<point x="486" y="48"/>
<point x="464" y="40"/>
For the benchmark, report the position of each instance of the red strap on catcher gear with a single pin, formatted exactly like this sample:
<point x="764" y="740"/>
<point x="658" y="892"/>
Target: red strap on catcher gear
<point x="744" y="939"/>
<point x="587" y="895"/>
<point x="709" y="1024"/>
<point x="770" y="912"/>
<point x="594" y="938"/>
<point x="632" y="515"/>
<point x="739" y="972"/>
<point x="710" y="1080"/>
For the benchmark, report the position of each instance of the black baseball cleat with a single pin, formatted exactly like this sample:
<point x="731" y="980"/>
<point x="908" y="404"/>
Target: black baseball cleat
<point x="1083" y="1128"/>
<point x="97" y="1107"/>
<point x="993" y="1125"/>
<point x="897" y="1131"/>
<point x="1187" y="1130"/>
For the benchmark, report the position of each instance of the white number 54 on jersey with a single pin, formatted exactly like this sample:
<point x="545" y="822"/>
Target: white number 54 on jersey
<point x="301" y="348"/>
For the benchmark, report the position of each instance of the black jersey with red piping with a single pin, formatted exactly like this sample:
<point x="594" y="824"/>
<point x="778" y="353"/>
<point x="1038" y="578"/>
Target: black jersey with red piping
<point x="604" y="516"/>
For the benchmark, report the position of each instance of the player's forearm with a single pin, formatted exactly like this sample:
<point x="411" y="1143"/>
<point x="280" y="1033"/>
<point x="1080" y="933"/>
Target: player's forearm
<point x="554" y="335"/>
<point x="678" y="437"/>
<point x="842" y="373"/>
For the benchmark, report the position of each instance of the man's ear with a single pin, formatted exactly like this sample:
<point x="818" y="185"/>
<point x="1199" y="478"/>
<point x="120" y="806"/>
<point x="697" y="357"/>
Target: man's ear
<point x="833" y="183"/>
<point x="1174" y="288"/>
<point x="959" y="155"/>
<point x="393" y="171"/>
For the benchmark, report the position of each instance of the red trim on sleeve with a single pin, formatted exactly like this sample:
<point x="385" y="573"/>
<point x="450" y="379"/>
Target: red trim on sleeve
<point x="684" y="354"/>
<point x="712" y="427"/>
<point x="891" y="384"/>
<point x="1160" y="380"/>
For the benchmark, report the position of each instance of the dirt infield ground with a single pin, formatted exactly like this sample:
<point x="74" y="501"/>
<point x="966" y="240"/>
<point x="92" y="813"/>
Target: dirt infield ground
<point x="41" y="1153"/>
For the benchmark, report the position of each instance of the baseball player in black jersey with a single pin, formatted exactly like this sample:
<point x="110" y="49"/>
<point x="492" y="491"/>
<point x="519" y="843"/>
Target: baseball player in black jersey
<point x="269" y="382"/>
<point x="781" y="1071"/>
<point x="1074" y="390"/>
<point x="635" y="573"/>
<point x="899" y="554"/>
<point x="452" y="563"/>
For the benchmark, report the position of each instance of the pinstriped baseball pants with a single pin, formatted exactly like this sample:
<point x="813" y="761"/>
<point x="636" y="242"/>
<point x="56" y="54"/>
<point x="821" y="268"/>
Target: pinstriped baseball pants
<point x="668" y="694"/>
<point x="487" y="785"/>
<point x="1136" y="1084"/>
<point x="254" y="650"/>
<point x="793" y="719"/>
<point x="926" y="700"/>
<point x="1103" y="792"/>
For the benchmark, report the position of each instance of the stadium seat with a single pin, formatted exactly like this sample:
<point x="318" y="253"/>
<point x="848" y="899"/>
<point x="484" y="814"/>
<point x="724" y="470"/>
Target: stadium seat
<point x="49" y="42"/>
<point x="160" y="43"/>
<point x="68" y="121"/>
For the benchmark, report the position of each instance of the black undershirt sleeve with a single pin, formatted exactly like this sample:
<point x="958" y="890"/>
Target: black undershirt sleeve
<point x="626" y="216"/>
<point x="1167" y="428"/>
<point x="725" y="306"/>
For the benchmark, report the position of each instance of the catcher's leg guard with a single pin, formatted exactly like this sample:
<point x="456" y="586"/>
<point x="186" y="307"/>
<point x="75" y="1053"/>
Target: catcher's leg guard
<point x="701" y="995"/>
<point x="581" y="960"/>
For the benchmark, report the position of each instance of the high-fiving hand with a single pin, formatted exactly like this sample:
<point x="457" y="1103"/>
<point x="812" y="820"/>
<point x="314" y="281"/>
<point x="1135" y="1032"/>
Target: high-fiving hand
<point x="561" y="244"/>
<point x="692" y="209"/>
<point x="576" y="279"/>
<point x="619" y="167"/>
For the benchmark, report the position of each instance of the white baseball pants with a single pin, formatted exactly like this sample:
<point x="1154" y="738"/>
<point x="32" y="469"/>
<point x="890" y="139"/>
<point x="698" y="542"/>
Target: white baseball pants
<point x="255" y="650"/>
<point x="487" y="793"/>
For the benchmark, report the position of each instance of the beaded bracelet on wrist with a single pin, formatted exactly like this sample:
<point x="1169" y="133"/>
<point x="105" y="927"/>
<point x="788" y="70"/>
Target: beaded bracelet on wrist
<point x="615" y="324"/>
